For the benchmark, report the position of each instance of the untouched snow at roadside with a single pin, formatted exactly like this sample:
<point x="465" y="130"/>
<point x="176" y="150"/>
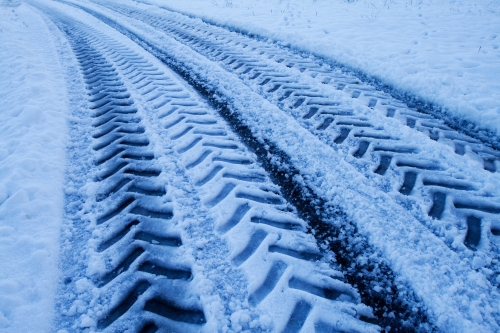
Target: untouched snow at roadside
<point x="32" y="159"/>
<point x="446" y="52"/>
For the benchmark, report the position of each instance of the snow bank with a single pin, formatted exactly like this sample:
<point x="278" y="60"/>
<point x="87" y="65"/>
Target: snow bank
<point x="32" y="159"/>
<point x="446" y="52"/>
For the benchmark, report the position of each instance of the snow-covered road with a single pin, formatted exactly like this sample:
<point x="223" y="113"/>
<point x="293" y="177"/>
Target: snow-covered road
<point x="218" y="181"/>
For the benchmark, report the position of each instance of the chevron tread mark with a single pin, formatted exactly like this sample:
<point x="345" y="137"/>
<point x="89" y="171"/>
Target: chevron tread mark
<point x="302" y="86"/>
<point x="131" y="202"/>
<point x="227" y="175"/>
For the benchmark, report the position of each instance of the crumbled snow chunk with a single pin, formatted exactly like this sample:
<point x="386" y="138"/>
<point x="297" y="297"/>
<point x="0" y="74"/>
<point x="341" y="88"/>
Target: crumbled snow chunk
<point x="83" y="285"/>
<point x="480" y="261"/>
<point x="86" y="321"/>
<point x="265" y="321"/>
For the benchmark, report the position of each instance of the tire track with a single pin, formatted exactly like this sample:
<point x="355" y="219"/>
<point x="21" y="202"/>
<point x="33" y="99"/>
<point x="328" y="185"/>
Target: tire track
<point x="453" y="198"/>
<point x="131" y="204"/>
<point x="176" y="115"/>
<point x="288" y="275"/>
<point x="238" y="193"/>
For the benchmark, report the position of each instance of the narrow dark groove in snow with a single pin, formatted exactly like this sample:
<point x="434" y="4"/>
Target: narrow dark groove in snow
<point x="124" y="305"/>
<point x="438" y="205"/>
<point x="272" y="278"/>
<point x="171" y="311"/>
<point x="321" y="292"/>
<point x="296" y="254"/>
<point x="298" y="317"/>
<point x="254" y="242"/>
<point x="473" y="232"/>
<point x="170" y="273"/>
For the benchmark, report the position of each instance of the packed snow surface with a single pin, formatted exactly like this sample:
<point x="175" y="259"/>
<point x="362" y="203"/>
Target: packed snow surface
<point x="32" y="158"/>
<point x="445" y="52"/>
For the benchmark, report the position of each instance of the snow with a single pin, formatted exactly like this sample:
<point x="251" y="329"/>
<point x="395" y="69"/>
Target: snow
<point x="214" y="276"/>
<point x="442" y="279"/>
<point x="32" y="160"/>
<point x="444" y="52"/>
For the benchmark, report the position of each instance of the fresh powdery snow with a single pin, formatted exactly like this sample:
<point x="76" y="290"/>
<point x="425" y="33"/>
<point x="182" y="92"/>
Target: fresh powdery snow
<point x="445" y="52"/>
<point x="32" y="163"/>
<point x="98" y="183"/>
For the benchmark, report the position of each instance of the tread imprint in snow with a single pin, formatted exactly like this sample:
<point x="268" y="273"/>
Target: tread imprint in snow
<point x="130" y="197"/>
<point x="341" y="126"/>
<point x="129" y="185"/>
<point x="227" y="173"/>
<point x="373" y="273"/>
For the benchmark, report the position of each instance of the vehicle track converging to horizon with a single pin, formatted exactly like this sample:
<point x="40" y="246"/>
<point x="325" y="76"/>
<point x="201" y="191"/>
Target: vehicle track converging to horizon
<point x="303" y="87"/>
<point x="197" y="222"/>
<point x="134" y="211"/>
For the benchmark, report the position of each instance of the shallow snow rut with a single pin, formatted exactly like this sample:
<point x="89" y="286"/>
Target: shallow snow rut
<point x="447" y="179"/>
<point x="189" y="233"/>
